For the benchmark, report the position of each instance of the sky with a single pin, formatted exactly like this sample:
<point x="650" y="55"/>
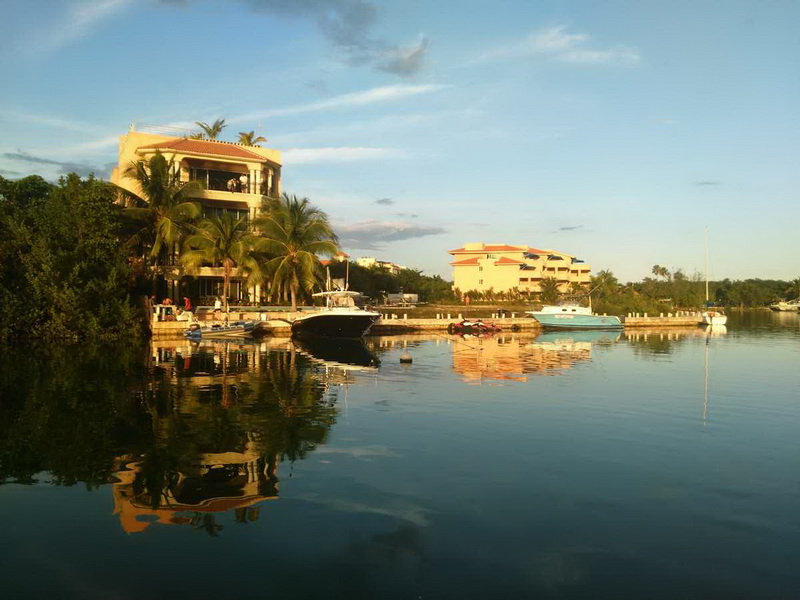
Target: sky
<point x="614" y="131"/>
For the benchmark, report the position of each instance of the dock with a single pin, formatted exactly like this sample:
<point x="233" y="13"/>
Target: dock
<point x="277" y="323"/>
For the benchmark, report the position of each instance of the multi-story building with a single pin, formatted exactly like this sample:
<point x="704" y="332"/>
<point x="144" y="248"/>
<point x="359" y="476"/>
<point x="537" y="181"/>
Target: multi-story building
<point x="369" y="261"/>
<point x="500" y="267"/>
<point x="236" y="178"/>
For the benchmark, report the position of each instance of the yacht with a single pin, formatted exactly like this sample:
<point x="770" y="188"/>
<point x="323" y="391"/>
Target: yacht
<point x="573" y="316"/>
<point x="784" y="306"/>
<point x="340" y="318"/>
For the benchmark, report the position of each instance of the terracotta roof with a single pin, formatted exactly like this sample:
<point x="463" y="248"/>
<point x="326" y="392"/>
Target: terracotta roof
<point x="208" y="147"/>
<point x="495" y="248"/>
<point x="469" y="261"/>
<point x="503" y="260"/>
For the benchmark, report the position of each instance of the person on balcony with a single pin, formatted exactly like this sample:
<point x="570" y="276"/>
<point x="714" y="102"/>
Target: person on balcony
<point x="243" y="183"/>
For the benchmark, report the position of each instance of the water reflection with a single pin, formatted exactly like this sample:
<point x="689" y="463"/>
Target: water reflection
<point x="652" y="343"/>
<point x="515" y="357"/>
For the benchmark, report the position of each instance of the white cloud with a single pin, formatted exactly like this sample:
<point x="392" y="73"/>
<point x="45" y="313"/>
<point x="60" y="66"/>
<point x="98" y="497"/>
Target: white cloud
<point x="559" y="45"/>
<point x="372" y="96"/>
<point x="340" y="154"/>
<point x="51" y="121"/>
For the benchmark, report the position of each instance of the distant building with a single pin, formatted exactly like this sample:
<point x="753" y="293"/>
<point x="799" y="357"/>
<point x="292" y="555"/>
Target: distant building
<point x="501" y="267"/>
<point x="368" y="262"/>
<point x="236" y="179"/>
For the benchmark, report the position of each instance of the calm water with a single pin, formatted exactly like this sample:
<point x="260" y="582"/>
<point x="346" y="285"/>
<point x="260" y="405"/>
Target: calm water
<point x="640" y="465"/>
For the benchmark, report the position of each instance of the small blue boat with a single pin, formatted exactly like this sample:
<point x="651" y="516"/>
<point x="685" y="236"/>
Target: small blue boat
<point x="573" y="316"/>
<point x="232" y="329"/>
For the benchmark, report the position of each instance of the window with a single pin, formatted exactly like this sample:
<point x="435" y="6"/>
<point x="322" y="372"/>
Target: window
<point x="480" y="268"/>
<point x="491" y="256"/>
<point x="480" y="281"/>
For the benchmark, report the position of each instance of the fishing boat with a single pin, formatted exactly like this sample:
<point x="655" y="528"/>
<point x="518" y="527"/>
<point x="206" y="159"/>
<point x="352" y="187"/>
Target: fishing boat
<point x="232" y="329"/>
<point x="340" y="318"/>
<point x="573" y="316"/>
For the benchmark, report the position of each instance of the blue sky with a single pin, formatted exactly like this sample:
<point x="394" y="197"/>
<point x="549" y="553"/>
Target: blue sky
<point x="615" y="131"/>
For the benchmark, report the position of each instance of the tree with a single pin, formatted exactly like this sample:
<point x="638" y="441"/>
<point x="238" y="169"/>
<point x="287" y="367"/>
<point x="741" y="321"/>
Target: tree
<point x="660" y="271"/>
<point x="248" y="138"/>
<point x="605" y="284"/>
<point x="163" y="205"/>
<point x="226" y="241"/>
<point x="549" y="294"/>
<point x="294" y="233"/>
<point x="212" y="131"/>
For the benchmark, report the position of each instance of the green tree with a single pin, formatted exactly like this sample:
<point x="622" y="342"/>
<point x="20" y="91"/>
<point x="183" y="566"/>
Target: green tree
<point x="549" y="293"/>
<point x="224" y="241"/>
<point x="163" y="207"/>
<point x="248" y="138"/>
<point x="212" y="131"/>
<point x="660" y="271"/>
<point x="605" y="284"/>
<point x="294" y="233"/>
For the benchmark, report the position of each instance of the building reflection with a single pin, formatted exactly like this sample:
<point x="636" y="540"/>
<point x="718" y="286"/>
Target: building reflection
<point x="650" y="343"/>
<point x="224" y="417"/>
<point x="516" y="357"/>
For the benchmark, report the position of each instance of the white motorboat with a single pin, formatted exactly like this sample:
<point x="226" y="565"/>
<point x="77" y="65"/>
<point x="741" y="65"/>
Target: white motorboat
<point x="573" y="316"/>
<point x="785" y="306"/>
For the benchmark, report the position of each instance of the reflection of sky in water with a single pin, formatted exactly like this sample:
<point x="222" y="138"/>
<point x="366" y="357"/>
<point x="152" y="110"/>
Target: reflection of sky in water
<point x="654" y="462"/>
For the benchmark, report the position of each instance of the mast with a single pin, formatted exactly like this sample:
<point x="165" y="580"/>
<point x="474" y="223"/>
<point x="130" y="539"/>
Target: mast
<point x="706" y="269"/>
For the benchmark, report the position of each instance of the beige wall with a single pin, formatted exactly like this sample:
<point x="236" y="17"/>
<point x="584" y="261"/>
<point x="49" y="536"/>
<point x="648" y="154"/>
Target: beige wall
<point x="499" y="267"/>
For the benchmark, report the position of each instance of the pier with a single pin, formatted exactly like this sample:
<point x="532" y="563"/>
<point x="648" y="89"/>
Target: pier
<point x="278" y="323"/>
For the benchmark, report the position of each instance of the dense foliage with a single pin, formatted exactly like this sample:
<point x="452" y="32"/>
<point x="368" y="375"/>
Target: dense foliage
<point x="64" y="270"/>
<point x="375" y="282"/>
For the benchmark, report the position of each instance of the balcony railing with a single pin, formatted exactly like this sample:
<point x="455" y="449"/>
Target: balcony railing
<point x="229" y="181"/>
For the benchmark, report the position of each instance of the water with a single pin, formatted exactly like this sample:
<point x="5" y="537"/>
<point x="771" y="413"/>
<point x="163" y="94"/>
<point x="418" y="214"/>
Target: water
<point x="634" y="465"/>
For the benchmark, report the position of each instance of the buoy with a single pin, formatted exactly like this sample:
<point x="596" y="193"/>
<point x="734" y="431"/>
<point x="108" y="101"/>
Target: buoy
<point x="405" y="358"/>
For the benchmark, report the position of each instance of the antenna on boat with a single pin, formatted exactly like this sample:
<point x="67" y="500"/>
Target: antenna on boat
<point x="706" y="237"/>
<point x="347" y="273"/>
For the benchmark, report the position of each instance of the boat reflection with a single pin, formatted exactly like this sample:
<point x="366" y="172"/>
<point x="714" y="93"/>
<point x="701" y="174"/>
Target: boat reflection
<point x="651" y="343"/>
<point x="344" y="353"/>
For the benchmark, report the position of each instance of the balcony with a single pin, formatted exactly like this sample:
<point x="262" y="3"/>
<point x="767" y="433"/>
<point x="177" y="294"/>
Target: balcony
<point x="224" y="184"/>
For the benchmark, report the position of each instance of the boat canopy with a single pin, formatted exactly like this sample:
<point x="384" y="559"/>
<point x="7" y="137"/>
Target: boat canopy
<point x="342" y="293"/>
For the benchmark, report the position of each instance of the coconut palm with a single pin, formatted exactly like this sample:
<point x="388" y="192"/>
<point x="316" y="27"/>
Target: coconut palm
<point x="212" y="131"/>
<point x="223" y="240"/>
<point x="605" y="284"/>
<point x="248" y="138"/>
<point x="550" y="291"/>
<point x="294" y="233"/>
<point x="162" y="203"/>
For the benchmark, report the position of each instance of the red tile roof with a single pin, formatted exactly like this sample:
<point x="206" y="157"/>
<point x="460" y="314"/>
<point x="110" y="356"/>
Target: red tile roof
<point x="497" y="248"/>
<point x="208" y="147"/>
<point x="503" y="260"/>
<point x="469" y="261"/>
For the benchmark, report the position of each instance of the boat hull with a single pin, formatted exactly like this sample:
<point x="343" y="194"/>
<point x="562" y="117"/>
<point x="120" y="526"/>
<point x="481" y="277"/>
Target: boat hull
<point x="576" y="321"/>
<point x="331" y="325"/>
<point x="714" y="318"/>
<point x="238" y="328"/>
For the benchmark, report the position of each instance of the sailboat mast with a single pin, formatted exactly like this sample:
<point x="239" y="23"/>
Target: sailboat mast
<point x="706" y="269"/>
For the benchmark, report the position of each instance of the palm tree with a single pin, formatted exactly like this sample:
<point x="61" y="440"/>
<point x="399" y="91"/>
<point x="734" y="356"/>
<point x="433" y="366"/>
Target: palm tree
<point x="605" y="284"/>
<point x="550" y="291"/>
<point x="212" y="131"/>
<point x="163" y="204"/>
<point x="223" y="240"/>
<point x="294" y="232"/>
<point x="248" y="138"/>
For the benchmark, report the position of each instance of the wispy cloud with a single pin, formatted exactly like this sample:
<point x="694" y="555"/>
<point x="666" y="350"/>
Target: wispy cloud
<point x="373" y="235"/>
<point x="384" y="201"/>
<point x="81" y="20"/>
<point x="339" y="154"/>
<point x="17" y="116"/>
<point x="376" y="95"/>
<point x="405" y="61"/>
<point x="559" y="45"/>
<point x="568" y="228"/>
<point x="709" y="182"/>
<point x="348" y="25"/>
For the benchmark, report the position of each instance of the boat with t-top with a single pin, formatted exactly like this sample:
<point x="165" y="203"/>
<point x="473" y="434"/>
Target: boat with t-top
<point x="340" y="318"/>
<point x="573" y="316"/>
